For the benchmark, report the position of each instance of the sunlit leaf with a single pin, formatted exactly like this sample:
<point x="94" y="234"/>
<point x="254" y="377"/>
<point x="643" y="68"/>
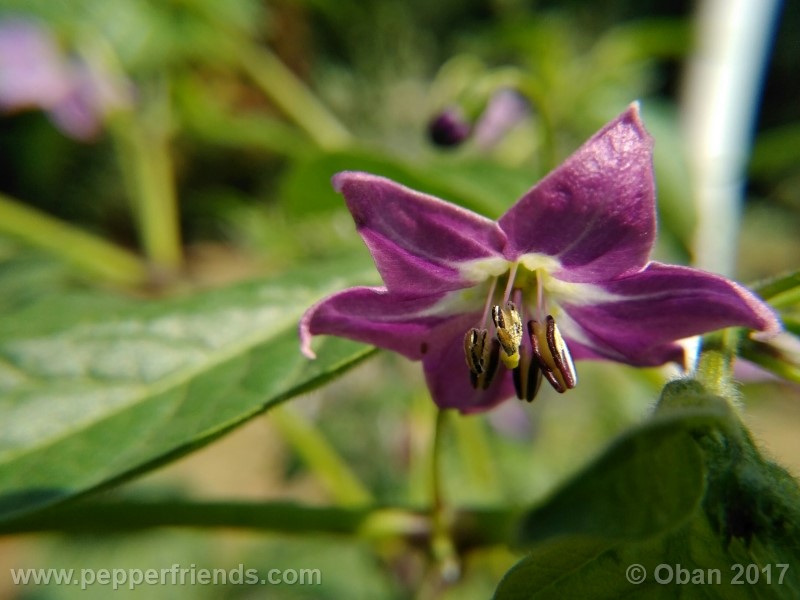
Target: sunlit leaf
<point x="95" y="388"/>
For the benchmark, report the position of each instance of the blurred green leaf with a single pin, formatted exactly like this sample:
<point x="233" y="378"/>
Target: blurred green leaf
<point x="749" y="515"/>
<point x="689" y="563"/>
<point x="96" y="388"/>
<point x="775" y="152"/>
<point x="782" y="291"/>
<point x="484" y="187"/>
<point x="648" y="481"/>
<point x="204" y="116"/>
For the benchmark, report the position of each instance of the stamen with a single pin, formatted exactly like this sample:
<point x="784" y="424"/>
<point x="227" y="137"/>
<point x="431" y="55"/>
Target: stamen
<point x="474" y="342"/>
<point x="561" y="354"/>
<point x="509" y="333"/>
<point x="488" y="304"/>
<point x="527" y="377"/>
<point x="492" y="361"/>
<point x="512" y="275"/>
<point x="482" y="358"/>
<point x="539" y="296"/>
<point x="552" y="355"/>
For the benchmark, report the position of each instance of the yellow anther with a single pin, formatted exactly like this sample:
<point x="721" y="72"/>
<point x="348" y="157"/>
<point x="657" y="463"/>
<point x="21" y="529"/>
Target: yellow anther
<point x="509" y="333"/>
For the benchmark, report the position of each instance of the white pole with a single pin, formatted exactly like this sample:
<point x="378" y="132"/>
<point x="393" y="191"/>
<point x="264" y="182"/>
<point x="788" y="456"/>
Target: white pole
<point x="722" y="89"/>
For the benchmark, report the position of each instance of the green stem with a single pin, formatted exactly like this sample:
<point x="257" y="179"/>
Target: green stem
<point x="474" y="448"/>
<point x="320" y="457"/>
<point x="82" y="249"/>
<point x="144" y="153"/>
<point x="474" y="528"/>
<point x="442" y="544"/>
<point x="291" y="95"/>
<point x="787" y="299"/>
<point x="771" y="358"/>
<point x="715" y="364"/>
<point x="420" y="428"/>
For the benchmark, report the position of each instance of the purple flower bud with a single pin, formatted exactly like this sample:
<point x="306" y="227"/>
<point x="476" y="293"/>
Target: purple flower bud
<point x="449" y="128"/>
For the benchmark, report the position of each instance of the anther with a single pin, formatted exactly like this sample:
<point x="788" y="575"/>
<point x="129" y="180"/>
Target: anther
<point x="482" y="358"/>
<point x="509" y="333"/>
<point x="552" y="354"/>
<point x="474" y="342"/>
<point x="527" y="377"/>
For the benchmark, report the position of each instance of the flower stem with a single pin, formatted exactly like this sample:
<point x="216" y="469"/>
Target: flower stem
<point x="476" y="528"/>
<point x="715" y="364"/>
<point x="82" y="249"/>
<point x="321" y="457"/>
<point x="144" y="153"/>
<point x="442" y="546"/>
<point x="474" y="447"/>
<point x="291" y="96"/>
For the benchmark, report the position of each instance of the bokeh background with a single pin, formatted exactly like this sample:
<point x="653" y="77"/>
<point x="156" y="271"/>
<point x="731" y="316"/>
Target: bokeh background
<point x="225" y="120"/>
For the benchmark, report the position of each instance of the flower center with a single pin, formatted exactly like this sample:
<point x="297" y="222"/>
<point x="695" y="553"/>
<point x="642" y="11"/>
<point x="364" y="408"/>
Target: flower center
<point x="545" y="355"/>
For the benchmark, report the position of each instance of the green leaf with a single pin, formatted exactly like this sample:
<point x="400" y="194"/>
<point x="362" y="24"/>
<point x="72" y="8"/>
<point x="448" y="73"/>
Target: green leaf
<point x="649" y="480"/>
<point x="96" y="388"/>
<point x="689" y="562"/>
<point x="486" y="188"/>
<point x="732" y="544"/>
<point x="782" y="291"/>
<point x="774" y="152"/>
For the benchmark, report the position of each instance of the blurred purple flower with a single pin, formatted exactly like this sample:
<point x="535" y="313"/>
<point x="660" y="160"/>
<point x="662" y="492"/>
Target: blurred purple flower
<point x="460" y="288"/>
<point x="34" y="74"/>
<point x="506" y="109"/>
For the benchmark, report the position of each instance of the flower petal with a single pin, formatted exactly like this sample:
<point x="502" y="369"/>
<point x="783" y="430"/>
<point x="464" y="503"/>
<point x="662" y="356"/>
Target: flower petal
<point x="656" y="307"/>
<point x="596" y="212"/>
<point x="374" y="316"/>
<point x="447" y="374"/>
<point x="416" y="240"/>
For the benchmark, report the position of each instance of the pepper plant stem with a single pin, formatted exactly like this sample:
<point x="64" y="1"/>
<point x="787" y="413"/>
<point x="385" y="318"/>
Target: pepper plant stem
<point x="144" y="153"/>
<point x="321" y="457"/>
<point x="291" y="95"/>
<point x="84" y="250"/>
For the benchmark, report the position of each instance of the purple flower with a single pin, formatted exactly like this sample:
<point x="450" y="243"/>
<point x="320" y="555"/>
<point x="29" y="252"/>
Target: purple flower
<point x="506" y="110"/>
<point x="484" y="304"/>
<point x="35" y="74"/>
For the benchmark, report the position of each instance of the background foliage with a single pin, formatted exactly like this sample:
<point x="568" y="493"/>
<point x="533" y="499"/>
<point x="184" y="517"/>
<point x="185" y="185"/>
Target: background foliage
<point x="152" y="275"/>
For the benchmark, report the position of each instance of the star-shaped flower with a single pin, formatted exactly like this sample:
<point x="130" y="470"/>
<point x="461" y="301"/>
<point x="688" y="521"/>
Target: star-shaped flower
<point x="484" y="304"/>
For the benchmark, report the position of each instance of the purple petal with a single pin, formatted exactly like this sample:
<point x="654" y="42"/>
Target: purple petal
<point x="93" y="95"/>
<point x="416" y="240"/>
<point x="447" y="374"/>
<point x="596" y="212"/>
<point x="374" y="316"/>
<point x="506" y="109"/>
<point x="33" y="74"/>
<point x="657" y="306"/>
